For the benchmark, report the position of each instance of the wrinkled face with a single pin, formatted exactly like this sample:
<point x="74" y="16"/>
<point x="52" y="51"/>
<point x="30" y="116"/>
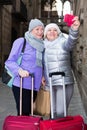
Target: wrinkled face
<point x="38" y="32"/>
<point x="52" y="34"/>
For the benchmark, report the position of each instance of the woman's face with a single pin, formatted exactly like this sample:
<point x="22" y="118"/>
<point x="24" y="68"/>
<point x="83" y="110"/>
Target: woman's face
<point x="52" y="34"/>
<point x="38" y="32"/>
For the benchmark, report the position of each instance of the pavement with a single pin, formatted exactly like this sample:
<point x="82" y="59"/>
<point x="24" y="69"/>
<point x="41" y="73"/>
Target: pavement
<point x="7" y="103"/>
<point x="76" y="106"/>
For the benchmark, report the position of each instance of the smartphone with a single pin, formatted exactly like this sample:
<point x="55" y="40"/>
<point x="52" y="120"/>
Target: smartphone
<point x="68" y="19"/>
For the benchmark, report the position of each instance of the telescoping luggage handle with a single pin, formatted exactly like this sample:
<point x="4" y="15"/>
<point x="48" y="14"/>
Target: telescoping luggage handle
<point x="64" y="94"/>
<point x="32" y="76"/>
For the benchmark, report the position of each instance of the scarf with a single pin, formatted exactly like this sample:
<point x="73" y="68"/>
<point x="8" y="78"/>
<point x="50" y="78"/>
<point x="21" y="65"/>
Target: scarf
<point x="37" y="44"/>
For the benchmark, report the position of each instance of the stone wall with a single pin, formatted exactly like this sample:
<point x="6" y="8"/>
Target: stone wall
<point x="6" y="30"/>
<point x="11" y="28"/>
<point x="80" y="52"/>
<point x="0" y="40"/>
<point x="5" y="34"/>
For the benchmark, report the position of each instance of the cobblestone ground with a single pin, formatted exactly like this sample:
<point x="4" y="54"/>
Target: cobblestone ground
<point x="7" y="104"/>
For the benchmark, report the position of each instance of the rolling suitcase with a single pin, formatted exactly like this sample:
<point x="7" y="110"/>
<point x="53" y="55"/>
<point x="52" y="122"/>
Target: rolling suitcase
<point x="65" y="123"/>
<point x="23" y="122"/>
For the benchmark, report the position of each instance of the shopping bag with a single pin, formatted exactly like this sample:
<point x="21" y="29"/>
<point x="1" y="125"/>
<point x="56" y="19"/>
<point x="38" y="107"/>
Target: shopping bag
<point x="42" y="102"/>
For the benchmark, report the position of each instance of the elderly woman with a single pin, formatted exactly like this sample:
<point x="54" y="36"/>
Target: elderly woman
<point x="57" y="58"/>
<point x="31" y="63"/>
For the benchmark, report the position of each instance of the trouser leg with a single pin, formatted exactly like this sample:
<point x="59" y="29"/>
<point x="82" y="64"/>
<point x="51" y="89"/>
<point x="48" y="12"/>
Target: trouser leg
<point x="26" y="100"/>
<point x="16" y="93"/>
<point x="54" y="100"/>
<point x="69" y="94"/>
<point x="58" y="102"/>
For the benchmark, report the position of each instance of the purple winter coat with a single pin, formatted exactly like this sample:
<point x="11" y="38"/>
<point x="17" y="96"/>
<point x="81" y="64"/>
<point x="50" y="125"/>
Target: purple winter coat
<point x="28" y="63"/>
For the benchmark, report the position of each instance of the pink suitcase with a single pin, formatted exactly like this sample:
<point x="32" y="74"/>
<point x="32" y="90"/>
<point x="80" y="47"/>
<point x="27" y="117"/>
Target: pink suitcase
<point x="65" y="123"/>
<point x="85" y="127"/>
<point x="23" y="122"/>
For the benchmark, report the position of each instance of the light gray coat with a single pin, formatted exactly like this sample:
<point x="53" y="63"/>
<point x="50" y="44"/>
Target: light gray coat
<point x="57" y="57"/>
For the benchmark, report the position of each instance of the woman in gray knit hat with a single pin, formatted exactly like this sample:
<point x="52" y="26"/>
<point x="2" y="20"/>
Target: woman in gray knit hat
<point x="56" y="59"/>
<point x="31" y="63"/>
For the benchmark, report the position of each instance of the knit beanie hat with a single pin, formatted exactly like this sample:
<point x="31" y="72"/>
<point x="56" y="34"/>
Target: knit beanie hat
<point x="49" y="26"/>
<point x="34" y="23"/>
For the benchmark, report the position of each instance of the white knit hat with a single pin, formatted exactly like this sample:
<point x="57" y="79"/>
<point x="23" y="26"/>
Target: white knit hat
<point x="34" y="23"/>
<point x="51" y="25"/>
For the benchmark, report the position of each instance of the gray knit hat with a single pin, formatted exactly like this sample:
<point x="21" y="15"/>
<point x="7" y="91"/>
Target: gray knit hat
<point x="54" y="25"/>
<point x="34" y="23"/>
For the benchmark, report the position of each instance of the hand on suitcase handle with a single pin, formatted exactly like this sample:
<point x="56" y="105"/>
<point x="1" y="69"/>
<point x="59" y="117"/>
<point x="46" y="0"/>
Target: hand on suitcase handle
<point x="25" y="73"/>
<point x="56" y="73"/>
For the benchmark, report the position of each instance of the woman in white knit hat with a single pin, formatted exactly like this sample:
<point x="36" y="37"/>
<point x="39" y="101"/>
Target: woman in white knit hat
<point x="57" y="58"/>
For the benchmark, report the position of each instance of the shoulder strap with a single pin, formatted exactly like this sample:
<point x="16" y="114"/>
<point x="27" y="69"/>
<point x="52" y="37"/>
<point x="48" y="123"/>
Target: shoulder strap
<point x="24" y="44"/>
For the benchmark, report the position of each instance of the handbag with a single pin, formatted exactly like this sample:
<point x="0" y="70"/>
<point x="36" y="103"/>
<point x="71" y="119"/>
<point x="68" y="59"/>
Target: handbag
<point x="7" y="75"/>
<point x="42" y="103"/>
